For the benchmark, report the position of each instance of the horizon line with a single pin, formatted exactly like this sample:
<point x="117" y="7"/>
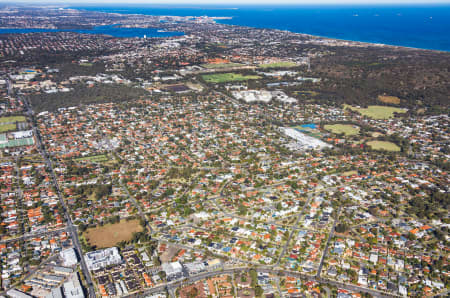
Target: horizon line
<point x="232" y="2"/>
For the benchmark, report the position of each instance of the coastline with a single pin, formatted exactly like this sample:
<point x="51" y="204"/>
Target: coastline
<point x="119" y="32"/>
<point x="373" y="44"/>
<point x="421" y="27"/>
<point x="221" y="20"/>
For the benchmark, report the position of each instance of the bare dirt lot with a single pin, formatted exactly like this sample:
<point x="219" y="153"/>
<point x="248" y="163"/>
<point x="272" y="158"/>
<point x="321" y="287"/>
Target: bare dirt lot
<point x="110" y="235"/>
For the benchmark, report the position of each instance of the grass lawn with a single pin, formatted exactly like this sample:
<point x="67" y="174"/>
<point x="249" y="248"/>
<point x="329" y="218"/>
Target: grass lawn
<point x="13" y="119"/>
<point x="311" y="93"/>
<point x="221" y="65"/>
<point x="389" y="99"/>
<point x="86" y="64"/>
<point x="383" y="145"/>
<point x="194" y="86"/>
<point x="377" y="112"/>
<point x="7" y="127"/>
<point x="227" y="77"/>
<point x="349" y="173"/>
<point x="347" y="129"/>
<point x="94" y="158"/>
<point x="111" y="234"/>
<point x="376" y="134"/>
<point x="282" y="64"/>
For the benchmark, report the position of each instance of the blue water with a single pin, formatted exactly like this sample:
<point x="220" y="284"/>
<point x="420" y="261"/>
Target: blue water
<point x="111" y="30"/>
<point x="309" y="125"/>
<point x="419" y="26"/>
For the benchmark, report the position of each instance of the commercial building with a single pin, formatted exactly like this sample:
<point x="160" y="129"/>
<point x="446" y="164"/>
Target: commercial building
<point x="101" y="258"/>
<point x="69" y="257"/>
<point x="173" y="270"/>
<point x="55" y="293"/>
<point x="72" y="288"/>
<point x="17" y="294"/>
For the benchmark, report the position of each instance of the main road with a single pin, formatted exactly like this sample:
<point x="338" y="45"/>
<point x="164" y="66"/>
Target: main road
<point x="33" y="235"/>
<point x="330" y="236"/>
<point x="171" y="286"/>
<point x="286" y="245"/>
<point x="71" y="228"/>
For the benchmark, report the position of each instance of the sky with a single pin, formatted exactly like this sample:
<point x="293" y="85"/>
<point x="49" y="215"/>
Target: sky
<point x="224" y="2"/>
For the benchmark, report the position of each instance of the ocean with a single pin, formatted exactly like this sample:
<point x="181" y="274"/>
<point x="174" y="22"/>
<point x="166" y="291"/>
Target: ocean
<point x="418" y="26"/>
<point x="111" y="30"/>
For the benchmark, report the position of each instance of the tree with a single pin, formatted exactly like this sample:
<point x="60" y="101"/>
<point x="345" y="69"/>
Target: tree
<point x="411" y="236"/>
<point x="162" y="275"/>
<point x="193" y="292"/>
<point x="341" y="228"/>
<point x="278" y="206"/>
<point x="156" y="261"/>
<point x="82" y="227"/>
<point x="254" y="277"/>
<point x="258" y="291"/>
<point x="242" y="210"/>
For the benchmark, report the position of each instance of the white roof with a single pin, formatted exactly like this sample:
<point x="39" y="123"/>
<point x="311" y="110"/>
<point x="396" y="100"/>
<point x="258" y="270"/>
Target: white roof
<point x="17" y="294"/>
<point x="172" y="268"/>
<point x="72" y="288"/>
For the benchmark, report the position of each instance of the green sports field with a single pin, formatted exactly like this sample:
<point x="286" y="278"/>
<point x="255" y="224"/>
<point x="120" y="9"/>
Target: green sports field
<point x="12" y="119"/>
<point x="347" y="129"/>
<point x="383" y="145"/>
<point x="15" y="143"/>
<point x="7" y="127"/>
<point x="95" y="158"/>
<point x="221" y="65"/>
<point x="377" y="112"/>
<point x="228" y="77"/>
<point x="284" y="64"/>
